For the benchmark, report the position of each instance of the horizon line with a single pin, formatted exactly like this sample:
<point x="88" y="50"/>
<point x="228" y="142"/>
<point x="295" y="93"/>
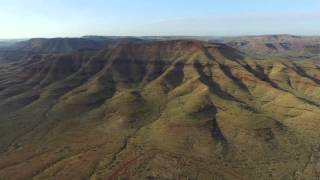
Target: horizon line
<point x="217" y="36"/>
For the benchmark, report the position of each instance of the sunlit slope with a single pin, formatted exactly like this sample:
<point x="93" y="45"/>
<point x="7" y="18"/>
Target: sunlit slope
<point x="159" y="110"/>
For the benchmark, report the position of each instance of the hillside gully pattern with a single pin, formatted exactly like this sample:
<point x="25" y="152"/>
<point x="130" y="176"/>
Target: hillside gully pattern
<point x="158" y="109"/>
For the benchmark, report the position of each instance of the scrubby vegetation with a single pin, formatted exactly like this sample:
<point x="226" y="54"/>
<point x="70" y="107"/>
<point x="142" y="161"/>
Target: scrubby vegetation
<point x="180" y="109"/>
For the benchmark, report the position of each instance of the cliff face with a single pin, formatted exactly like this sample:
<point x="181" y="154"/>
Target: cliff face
<point x="178" y="109"/>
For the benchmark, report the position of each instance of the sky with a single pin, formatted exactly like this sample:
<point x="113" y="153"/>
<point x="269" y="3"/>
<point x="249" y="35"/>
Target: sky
<point x="73" y="18"/>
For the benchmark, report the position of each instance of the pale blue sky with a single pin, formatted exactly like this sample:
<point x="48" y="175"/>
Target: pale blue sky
<point x="52" y="18"/>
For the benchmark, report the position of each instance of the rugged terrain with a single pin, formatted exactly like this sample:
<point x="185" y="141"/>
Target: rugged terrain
<point x="277" y="46"/>
<point x="172" y="109"/>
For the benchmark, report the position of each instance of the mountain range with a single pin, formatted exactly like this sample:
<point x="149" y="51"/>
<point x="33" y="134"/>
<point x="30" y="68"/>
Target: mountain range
<point x="160" y="108"/>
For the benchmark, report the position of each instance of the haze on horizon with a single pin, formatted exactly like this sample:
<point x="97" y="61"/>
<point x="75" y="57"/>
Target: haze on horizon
<point x="70" y="18"/>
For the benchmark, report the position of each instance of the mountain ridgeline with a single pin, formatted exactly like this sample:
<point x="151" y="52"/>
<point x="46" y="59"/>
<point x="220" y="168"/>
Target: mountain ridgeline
<point x="21" y="50"/>
<point x="157" y="109"/>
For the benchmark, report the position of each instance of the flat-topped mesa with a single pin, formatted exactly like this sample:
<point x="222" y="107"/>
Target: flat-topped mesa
<point x="129" y="58"/>
<point x="168" y="50"/>
<point x="169" y="45"/>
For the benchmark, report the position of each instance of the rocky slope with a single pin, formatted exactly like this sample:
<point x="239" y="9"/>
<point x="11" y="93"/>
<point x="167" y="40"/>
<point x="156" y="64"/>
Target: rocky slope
<point x="178" y="109"/>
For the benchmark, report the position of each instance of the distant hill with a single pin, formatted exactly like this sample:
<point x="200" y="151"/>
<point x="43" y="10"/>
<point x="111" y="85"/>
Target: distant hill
<point x="5" y="44"/>
<point x="57" y="45"/>
<point x="12" y="51"/>
<point x="276" y="46"/>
